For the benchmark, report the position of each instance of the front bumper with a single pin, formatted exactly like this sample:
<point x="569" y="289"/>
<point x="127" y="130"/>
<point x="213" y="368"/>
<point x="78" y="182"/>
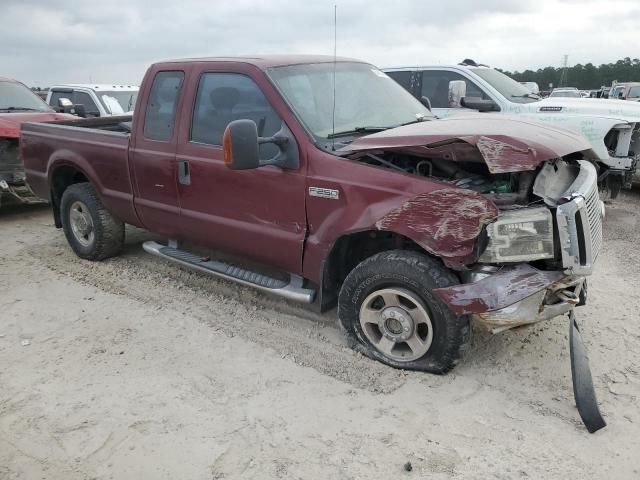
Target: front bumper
<point x="514" y="296"/>
<point x="20" y="193"/>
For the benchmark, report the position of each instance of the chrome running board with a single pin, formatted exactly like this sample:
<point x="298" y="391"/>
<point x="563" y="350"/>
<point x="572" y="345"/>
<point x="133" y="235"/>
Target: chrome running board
<point x="293" y="290"/>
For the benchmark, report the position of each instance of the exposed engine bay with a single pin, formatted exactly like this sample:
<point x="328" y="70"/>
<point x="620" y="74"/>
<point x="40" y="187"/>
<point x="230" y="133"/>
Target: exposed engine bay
<point x="506" y="190"/>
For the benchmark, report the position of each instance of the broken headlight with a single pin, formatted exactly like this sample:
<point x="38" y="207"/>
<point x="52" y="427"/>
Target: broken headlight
<point x="520" y="235"/>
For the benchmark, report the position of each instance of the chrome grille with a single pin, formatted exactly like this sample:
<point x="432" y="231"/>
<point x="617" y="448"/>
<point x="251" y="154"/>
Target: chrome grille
<point x="580" y="222"/>
<point x="594" y="216"/>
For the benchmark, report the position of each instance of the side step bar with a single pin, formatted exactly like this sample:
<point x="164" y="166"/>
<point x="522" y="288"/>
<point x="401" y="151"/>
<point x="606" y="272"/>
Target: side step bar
<point x="292" y="290"/>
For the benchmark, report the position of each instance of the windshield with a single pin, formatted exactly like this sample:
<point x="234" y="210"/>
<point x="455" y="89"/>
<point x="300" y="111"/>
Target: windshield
<point x="15" y="96"/>
<point x="506" y="86"/>
<point x="117" y="103"/>
<point x="364" y="97"/>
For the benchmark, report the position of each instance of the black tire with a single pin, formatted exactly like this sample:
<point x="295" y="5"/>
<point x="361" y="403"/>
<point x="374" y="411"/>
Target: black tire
<point x="420" y="275"/>
<point x="108" y="232"/>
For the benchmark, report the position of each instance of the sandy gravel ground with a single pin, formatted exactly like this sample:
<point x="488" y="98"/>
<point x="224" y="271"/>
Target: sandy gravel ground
<point x="136" y="369"/>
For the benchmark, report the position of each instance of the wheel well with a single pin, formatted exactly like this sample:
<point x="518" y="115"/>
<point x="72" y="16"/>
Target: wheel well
<point x="348" y="251"/>
<point x="61" y="179"/>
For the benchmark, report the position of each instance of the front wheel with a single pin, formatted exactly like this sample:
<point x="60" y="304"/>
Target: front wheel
<point x="92" y="232"/>
<point x="390" y="313"/>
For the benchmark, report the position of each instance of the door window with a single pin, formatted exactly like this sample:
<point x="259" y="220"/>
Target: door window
<point x="83" y="98"/>
<point x="435" y="86"/>
<point x="225" y="97"/>
<point x="160" y="116"/>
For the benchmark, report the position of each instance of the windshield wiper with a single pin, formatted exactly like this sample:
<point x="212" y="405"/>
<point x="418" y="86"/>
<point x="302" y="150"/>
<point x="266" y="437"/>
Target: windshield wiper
<point x="24" y="109"/>
<point x="417" y="120"/>
<point x="357" y="130"/>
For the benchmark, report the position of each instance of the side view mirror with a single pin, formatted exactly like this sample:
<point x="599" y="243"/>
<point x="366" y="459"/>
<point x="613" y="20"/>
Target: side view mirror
<point x="65" y="103"/>
<point x="457" y="91"/>
<point x="426" y="102"/>
<point x="241" y="147"/>
<point x="79" y="110"/>
<point x="621" y="95"/>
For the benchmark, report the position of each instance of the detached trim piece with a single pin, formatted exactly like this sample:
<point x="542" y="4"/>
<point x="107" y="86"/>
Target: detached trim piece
<point x="583" y="391"/>
<point x="293" y="290"/>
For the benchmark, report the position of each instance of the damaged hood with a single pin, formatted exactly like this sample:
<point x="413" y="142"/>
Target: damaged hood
<point x="595" y="107"/>
<point x="504" y="143"/>
<point x="10" y="122"/>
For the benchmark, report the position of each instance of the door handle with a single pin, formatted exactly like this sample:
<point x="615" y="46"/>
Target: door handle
<point x="184" y="174"/>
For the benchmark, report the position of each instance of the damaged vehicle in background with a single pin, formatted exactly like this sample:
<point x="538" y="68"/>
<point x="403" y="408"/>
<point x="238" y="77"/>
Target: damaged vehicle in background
<point x="96" y="100"/>
<point x="413" y="226"/>
<point x="612" y="127"/>
<point x="18" y="104"/>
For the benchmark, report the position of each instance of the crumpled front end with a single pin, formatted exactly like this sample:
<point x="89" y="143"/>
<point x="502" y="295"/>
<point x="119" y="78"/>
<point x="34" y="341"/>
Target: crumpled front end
<point x="564" y="235"/>
<point x="13" y="185"/>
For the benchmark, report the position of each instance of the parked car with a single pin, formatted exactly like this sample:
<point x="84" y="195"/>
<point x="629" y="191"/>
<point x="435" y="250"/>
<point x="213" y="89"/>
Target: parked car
<point x="411" y="225"/>
<point x="615" y="91"/>
<point x="532" y="87"/>
<point x="97" y="100"/>
<point x="17" y="104"/>
<point x="612" y="129"/>
<point x="566" y="93"/>
<point x="630" y="91"/>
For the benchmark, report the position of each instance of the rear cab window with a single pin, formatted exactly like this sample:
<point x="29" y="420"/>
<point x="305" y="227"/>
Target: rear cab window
<point x="160" y="115"/>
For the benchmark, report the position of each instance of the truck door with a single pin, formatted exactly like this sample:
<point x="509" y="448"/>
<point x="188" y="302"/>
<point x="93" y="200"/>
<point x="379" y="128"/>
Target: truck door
<point x="434" y="84"/>
<point x="257" y="213"/>
<point x="153" y="154"/>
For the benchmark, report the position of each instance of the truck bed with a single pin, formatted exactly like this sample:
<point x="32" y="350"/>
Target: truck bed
<point x="99" y="147"/>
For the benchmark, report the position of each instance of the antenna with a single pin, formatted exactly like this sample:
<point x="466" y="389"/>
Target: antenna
<point x="333" y="111"/>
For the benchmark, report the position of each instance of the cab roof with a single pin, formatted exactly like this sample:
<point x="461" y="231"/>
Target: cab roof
<point x="264" y="62"/>
<point x="97" y="87"/>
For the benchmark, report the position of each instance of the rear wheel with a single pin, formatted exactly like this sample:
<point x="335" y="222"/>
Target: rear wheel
<point x="92" y="232"/>
<point x="390" y="313"/>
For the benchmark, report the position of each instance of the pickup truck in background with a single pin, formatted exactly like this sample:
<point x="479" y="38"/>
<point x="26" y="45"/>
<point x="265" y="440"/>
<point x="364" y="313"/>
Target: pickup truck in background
<point x="96" y="100"/>
<point x="612" y="127"/>
<point x="18" y="104"/>
<point x="411" y="225"/>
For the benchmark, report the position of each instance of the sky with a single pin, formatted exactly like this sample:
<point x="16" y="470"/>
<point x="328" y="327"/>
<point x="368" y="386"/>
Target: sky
<point x="43" y="42"/>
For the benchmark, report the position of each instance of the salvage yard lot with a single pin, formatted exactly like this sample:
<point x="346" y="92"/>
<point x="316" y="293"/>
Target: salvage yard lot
<point x="138" y="369"/>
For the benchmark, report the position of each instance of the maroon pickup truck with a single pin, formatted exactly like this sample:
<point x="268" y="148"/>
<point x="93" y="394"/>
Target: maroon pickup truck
<point x="338" y="186"/>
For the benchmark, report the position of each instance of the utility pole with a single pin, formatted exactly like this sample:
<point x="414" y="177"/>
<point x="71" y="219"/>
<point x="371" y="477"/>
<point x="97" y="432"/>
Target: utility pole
<point x="563" y="75"/>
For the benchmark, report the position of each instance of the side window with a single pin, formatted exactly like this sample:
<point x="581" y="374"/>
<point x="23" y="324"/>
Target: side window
<point x="82" y="98"/>
<point x="403" y="78"/>
<point x="160" y="116"/>
<point x="225" y="97"/>
<point x="435" y="86"/>
<point x="57" y="95"/>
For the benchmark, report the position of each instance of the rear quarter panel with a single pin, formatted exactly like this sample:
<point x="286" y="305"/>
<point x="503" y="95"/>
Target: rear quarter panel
<point x="101" y="156"/>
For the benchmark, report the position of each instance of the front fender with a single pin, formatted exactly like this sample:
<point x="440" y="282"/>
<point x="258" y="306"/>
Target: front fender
<point x="446" y="223"/>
